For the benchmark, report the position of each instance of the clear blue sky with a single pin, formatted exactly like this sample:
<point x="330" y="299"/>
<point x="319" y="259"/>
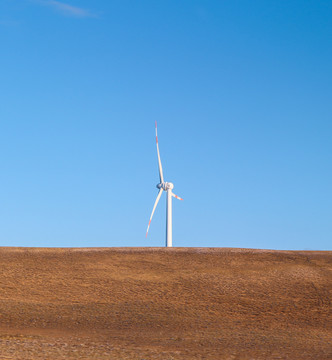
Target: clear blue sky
<point x="242" y="94"/>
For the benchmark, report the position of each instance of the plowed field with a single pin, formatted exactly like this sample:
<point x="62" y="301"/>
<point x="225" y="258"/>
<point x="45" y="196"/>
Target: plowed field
<point x="157" y="303"/>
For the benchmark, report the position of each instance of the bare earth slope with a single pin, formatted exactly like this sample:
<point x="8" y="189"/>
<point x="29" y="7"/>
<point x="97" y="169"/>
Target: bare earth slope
<point x="156" y="303"/>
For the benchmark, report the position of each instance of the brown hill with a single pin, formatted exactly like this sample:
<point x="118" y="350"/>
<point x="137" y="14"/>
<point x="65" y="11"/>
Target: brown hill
<point x="156" y="303"/>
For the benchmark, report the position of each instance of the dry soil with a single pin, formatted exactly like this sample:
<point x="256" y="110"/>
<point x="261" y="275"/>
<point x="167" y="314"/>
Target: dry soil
<point x="156" y="303"/>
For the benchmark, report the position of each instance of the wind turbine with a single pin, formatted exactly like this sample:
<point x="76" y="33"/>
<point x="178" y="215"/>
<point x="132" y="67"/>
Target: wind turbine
<point x="168" y="187"/>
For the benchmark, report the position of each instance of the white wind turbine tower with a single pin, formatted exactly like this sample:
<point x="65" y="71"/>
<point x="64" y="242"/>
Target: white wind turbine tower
<point x="164" y="186"/>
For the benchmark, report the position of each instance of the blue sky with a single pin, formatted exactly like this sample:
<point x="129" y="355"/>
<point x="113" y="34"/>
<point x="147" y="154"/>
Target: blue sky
<point x="241" y="91"/>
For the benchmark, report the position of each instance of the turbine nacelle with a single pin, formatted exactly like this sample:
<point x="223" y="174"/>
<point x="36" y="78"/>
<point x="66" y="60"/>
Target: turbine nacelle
<point x="165" y="186"/>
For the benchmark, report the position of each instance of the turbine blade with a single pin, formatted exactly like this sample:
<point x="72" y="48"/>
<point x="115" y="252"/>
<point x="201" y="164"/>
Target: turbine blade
<point x="154" y="208"/>
<point x="161" y="177"/>
<point x="178" y="197"/>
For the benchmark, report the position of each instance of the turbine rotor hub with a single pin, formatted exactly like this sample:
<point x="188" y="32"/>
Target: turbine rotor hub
<point x="165" y="186"/>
